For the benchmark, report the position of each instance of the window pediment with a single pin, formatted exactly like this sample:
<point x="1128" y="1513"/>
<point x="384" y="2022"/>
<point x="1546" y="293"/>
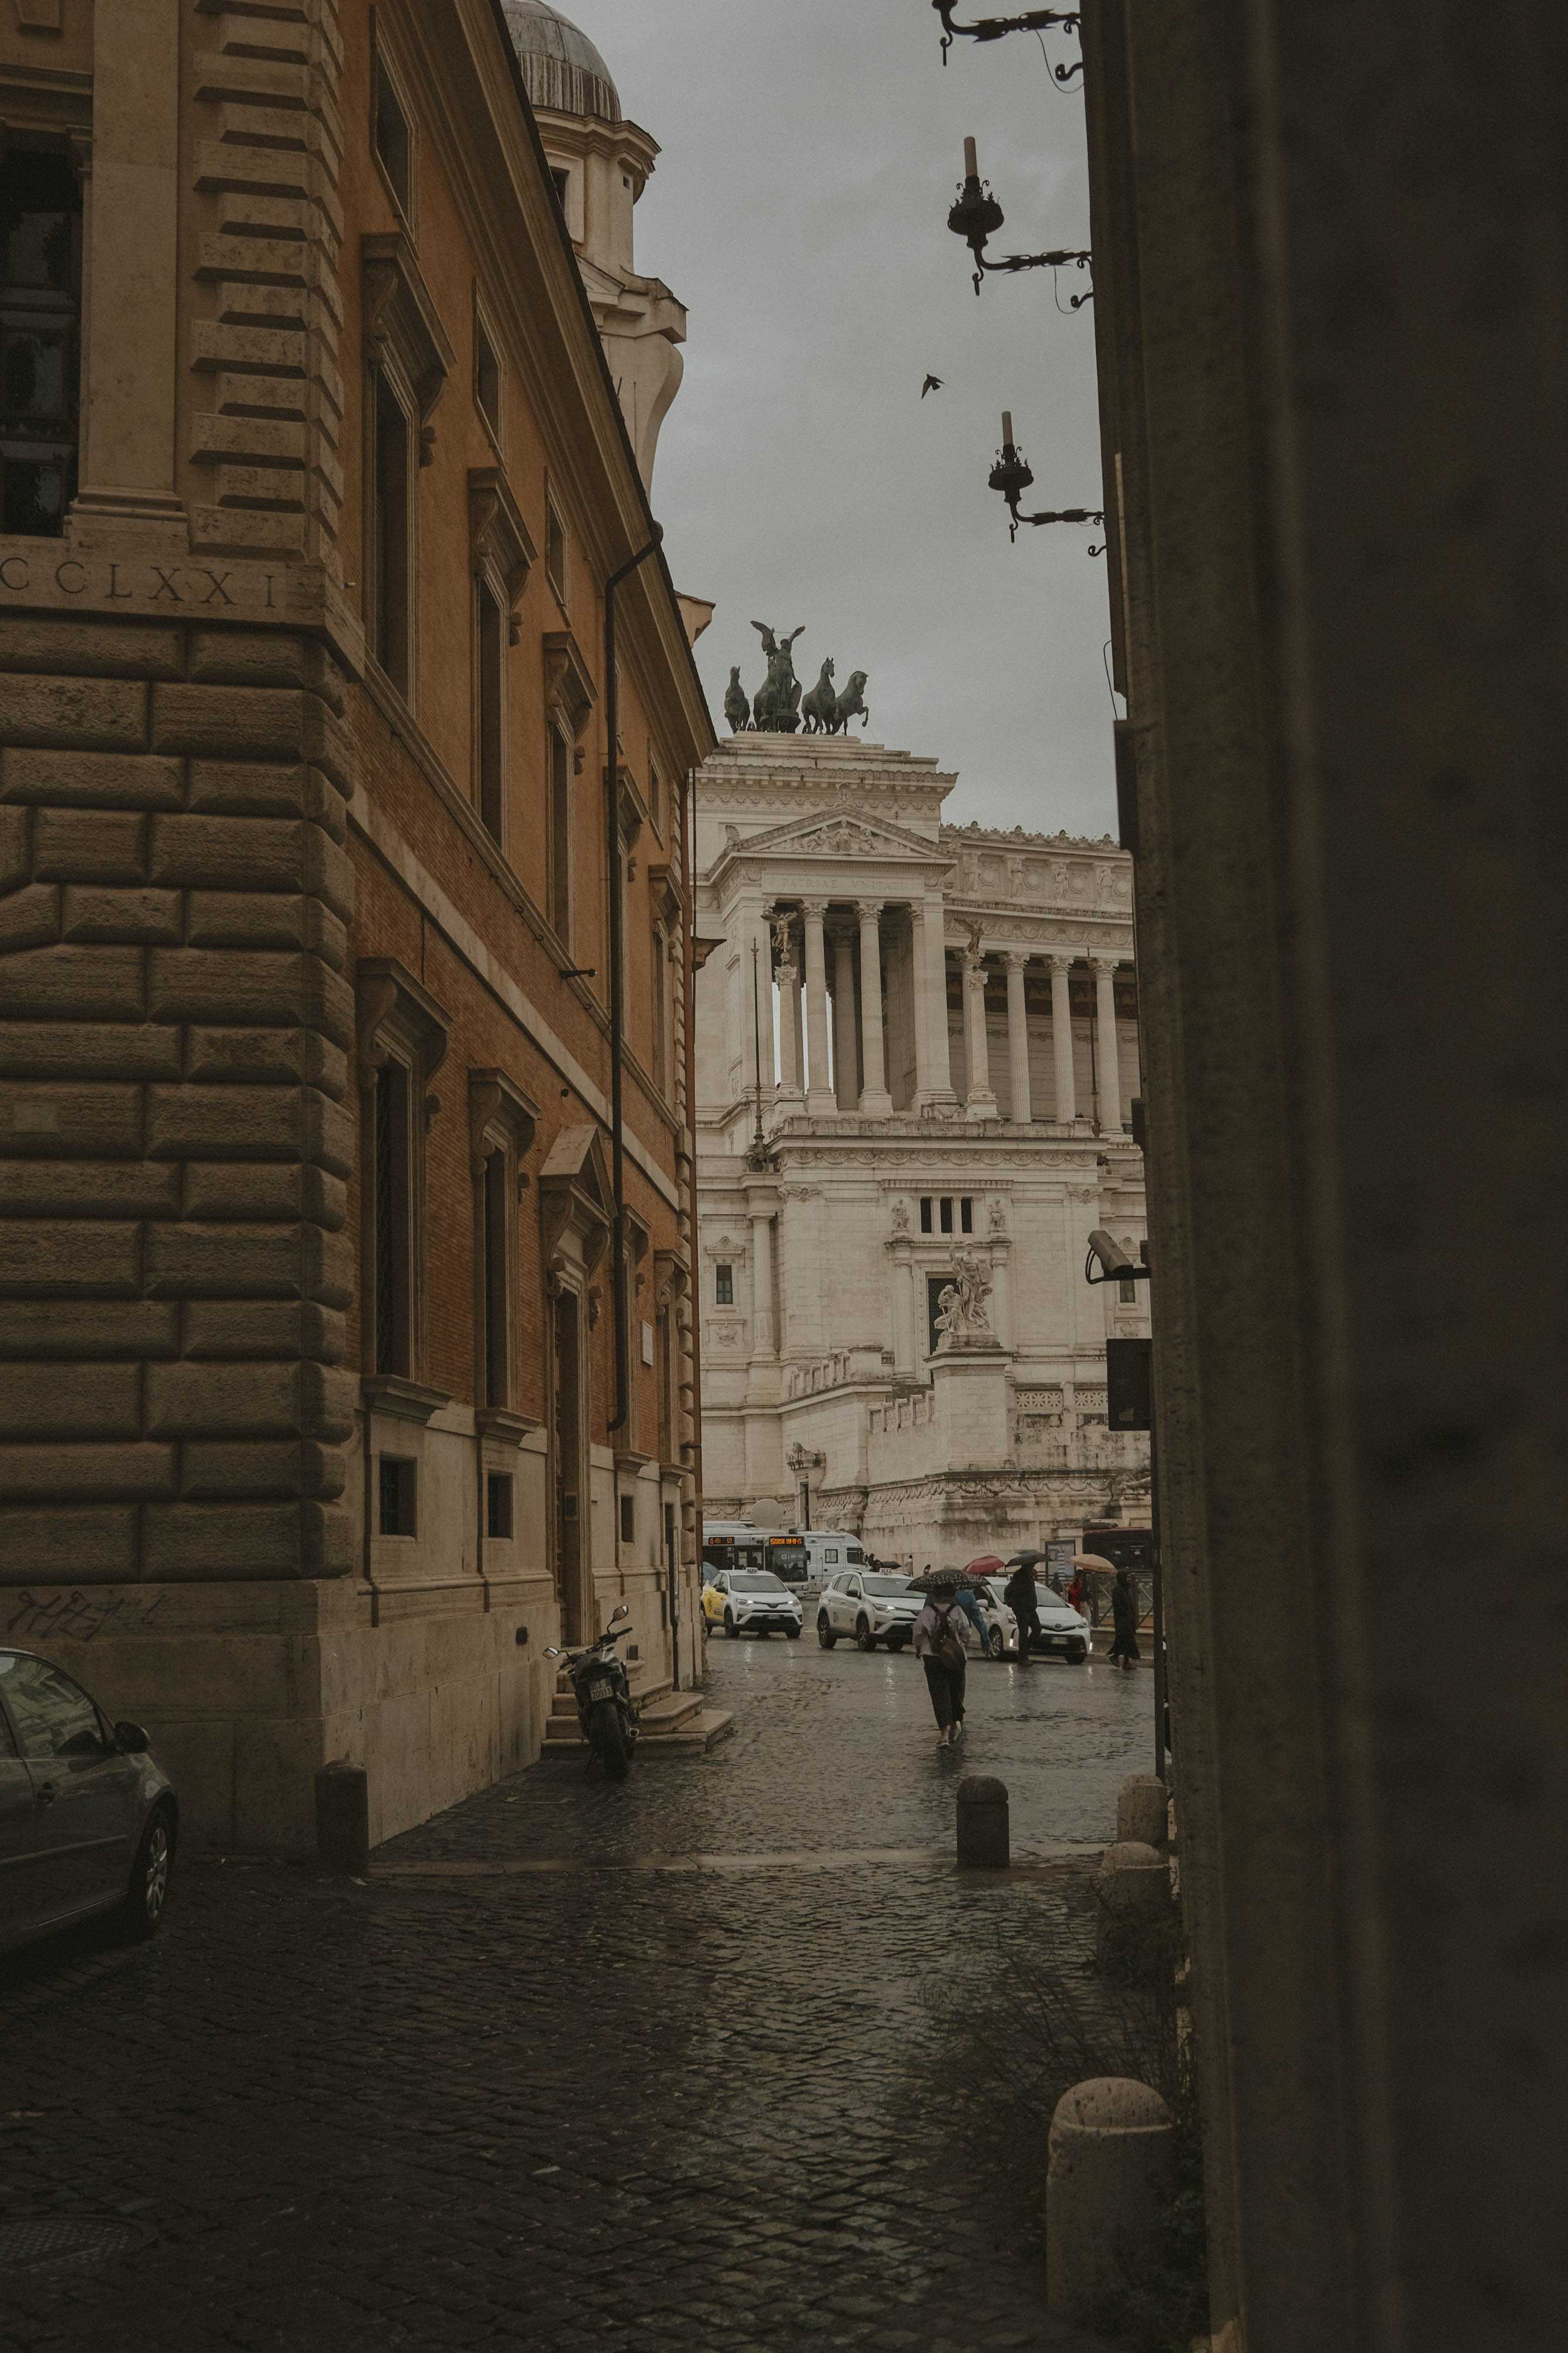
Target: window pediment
<point x="576" y="1194"/>
<point x="402" y="325"/>
<point x="568" y="685"/>
<point x="499" y="1114"/>
<point x="498" y="538"/>
<point x="395" y="1011"/>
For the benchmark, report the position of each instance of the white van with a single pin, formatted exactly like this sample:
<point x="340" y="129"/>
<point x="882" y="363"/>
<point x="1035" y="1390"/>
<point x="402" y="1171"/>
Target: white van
<point x="828" y="1550"/>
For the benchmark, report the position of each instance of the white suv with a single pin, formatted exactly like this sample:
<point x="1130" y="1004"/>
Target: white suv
<point x="872" y="1608"/>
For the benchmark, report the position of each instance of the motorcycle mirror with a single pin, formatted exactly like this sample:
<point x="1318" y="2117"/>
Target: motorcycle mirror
<point x="623" y="1609"/>
<point x="552" y="1651"/>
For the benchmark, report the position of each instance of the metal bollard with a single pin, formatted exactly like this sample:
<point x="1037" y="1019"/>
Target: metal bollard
<point x="1140" y="1815"/>
<point x="1109" y="2170"/>
<point x="983" y="1842"/>
<point x="342" y="1819"/>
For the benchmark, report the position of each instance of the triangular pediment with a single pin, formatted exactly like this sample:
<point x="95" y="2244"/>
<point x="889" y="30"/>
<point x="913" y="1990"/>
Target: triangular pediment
<point x="838" y="834"/>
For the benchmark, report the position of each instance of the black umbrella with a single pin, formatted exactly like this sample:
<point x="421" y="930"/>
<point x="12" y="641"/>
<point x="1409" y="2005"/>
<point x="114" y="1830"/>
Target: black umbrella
<point x="1028" y="1559"/>
<point x="933" y="1580"/>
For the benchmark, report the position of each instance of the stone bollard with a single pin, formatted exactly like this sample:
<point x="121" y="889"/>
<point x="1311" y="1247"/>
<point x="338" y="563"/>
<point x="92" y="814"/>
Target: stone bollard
<point x="1141" y="1814"/>
<point x="983" y="1824"/>
<point x="1110" y="2166"/>
<point x="1134" y="1892"/>
<point x="342" y="1819"/>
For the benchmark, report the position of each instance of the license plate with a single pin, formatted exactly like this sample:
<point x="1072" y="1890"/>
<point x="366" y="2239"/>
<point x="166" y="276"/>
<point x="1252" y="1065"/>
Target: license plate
<point x="601" y="1688"/>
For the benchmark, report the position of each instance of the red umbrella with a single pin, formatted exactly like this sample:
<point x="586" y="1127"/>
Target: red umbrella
<point x="990" y="1564"/>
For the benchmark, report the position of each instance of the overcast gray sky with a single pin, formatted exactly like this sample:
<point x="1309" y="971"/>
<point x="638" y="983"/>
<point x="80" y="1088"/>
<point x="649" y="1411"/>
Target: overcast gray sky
<point x="799" y="209"/>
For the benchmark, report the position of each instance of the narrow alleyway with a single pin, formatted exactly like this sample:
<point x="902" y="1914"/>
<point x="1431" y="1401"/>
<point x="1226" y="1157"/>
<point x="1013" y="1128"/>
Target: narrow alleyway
<point x="586" y="2067"/>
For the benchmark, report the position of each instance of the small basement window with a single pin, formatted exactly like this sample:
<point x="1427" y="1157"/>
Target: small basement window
<point x="628" y="1519"/>
<point x="497" y="1505"/>
<point x="399" y="1476"/>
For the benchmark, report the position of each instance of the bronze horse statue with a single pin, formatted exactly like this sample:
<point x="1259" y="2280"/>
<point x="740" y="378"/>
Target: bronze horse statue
<point x="849" y="705"/>
<point x="817" y="708"/>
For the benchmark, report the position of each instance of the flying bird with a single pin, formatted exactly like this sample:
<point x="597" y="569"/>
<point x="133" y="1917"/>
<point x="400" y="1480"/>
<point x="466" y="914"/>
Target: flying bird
<point x="931" y="383"/>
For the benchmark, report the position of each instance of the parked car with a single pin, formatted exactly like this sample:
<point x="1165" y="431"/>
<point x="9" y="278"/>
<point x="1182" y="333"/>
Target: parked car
<point x="1063" y="1633"/>
<point x="1001" y="1626"/>
<point x="89" y="1820"/>
<point x="870" y="1607"/>
<point x="751" y="1601"/>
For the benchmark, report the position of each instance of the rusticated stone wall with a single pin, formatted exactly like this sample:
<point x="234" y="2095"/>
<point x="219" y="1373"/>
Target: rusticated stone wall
<point x="174" y="1143"/>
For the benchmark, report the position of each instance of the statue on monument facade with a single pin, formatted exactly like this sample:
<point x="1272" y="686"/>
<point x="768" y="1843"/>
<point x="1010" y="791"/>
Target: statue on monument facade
<point x="962" y="1318"/>
<point x="776" y="708"/>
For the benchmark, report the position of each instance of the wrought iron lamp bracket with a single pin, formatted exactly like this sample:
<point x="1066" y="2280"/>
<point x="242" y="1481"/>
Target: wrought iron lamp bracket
<point x="976" y="216"/>
<point x="995" y="28"/>
<point x="1011" y="476"/>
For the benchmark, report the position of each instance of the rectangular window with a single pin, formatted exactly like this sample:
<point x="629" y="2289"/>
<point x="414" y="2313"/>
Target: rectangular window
<point x="628" y="1519"/>
<point x="1127" y="1291"/>
<point x="556" y="552"/>
<point x="489" y="626"/>
<point x="486" y="378"/>
<point x="560" y="181"/>
<point x="497" y="1505"/>
<point x="40" y="325"/>
<point x="389" y="129"/>
<point x="935" y="1285"/>
<point x="660" y="1009"/>
<point x="965" y="1215"/>
<point x="947" y="1213"/>
<point x="394" y="1218"/>
<point x="925" y="1213"/>
<point x="392" y="481"/>
<point x="399" y="1492"/>
<point x="724" y="1286"/>
<point x="559" y="844"/>
<point x="498" y="1366"/>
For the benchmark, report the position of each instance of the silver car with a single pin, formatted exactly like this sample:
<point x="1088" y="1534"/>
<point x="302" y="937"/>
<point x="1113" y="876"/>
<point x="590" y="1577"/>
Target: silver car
<point x="87" y="1821"/>
<point x="872" y="1608"/>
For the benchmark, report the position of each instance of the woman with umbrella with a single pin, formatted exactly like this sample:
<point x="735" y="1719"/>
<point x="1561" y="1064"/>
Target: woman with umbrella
<point x="1124" y="1650"/>
<point x="939" y="1646"/>
<point x="1021" y="1601"/>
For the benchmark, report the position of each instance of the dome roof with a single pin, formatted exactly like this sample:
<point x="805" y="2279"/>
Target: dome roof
<point x="561" y="70"/>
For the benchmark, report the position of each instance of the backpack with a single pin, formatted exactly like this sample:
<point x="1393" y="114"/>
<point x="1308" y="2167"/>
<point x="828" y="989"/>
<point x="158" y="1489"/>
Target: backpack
<point x="947" y="1648"/>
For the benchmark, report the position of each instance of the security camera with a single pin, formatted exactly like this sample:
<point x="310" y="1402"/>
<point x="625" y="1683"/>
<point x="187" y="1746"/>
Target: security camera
<point x="1112" y="1258"/>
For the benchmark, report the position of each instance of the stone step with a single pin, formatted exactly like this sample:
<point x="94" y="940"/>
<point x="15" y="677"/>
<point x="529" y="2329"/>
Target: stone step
<point x="696" y="1731"/>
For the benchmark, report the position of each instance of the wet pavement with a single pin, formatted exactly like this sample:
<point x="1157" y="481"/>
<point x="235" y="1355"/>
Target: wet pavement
<point x="689" y="2060"/>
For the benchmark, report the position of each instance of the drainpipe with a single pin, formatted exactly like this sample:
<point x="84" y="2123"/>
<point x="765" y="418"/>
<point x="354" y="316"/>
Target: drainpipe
<point x="617" y="989"/>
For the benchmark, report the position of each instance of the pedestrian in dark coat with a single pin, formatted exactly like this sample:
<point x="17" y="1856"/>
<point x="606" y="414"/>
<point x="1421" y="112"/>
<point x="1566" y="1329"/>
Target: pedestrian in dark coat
<point x="1022" y="1602"/>
<point x="1124" y="1648"/>
<point x="939" y="1646"/>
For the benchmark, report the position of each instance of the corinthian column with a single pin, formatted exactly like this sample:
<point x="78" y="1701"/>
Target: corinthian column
<point x="979" y="1101"/>
<point x="819" y="1095"/>
<point x="1019" y="1035"/>
<point x="1061" y="1039"/>
<point x="846" y="1051"/>
<point x="790" y="1088"/>
<point x="875" y="1099"/>
<point x="934" y="927"/>
<point x="1105" y="1035"/>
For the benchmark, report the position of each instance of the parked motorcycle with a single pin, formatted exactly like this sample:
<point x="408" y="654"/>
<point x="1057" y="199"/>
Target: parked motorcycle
<point x="603" y="1690"/>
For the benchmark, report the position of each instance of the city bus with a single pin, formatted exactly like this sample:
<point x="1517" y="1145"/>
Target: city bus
<point x="730" y="1544"/>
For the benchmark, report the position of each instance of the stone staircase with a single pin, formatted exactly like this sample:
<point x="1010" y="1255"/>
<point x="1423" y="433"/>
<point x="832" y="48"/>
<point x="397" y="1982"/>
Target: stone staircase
<point x="672" y="1722"/>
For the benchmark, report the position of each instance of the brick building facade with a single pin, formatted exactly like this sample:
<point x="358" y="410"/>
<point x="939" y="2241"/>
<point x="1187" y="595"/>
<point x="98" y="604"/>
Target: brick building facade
<point x="308" y="1429"/>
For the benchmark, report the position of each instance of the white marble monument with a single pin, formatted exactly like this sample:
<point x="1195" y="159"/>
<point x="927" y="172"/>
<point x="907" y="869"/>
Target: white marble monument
<point x="917" y="1053"/>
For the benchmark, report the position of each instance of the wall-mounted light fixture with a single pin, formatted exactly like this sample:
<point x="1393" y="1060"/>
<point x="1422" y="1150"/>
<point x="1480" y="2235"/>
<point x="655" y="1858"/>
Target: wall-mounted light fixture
<point x="995" y="28"/>
<point x="1012" y="477"/>
<point x="977" y="217"/>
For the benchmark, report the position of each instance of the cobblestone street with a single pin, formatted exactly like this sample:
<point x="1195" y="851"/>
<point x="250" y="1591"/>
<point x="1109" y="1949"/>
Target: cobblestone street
<point x="585" y="2065"/>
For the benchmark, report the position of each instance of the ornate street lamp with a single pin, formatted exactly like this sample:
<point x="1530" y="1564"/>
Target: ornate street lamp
<point x="803" y="1460"/>
<point x="1012" y="477"/>
<point x="995" y="28"/>
<point x="977" y="217"/>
